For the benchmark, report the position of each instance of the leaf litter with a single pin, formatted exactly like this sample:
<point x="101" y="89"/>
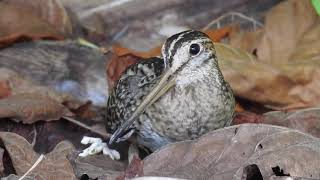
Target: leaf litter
<point x="281" y="54"/>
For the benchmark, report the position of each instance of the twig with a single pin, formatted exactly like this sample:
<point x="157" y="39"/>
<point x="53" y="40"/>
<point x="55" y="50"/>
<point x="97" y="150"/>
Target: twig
<point x="34" y="135"/>
<point x="105" y="135"/>
<point x="232" y="14"/>
<point x="41" y="157"/>
<point x="103" y="7"/>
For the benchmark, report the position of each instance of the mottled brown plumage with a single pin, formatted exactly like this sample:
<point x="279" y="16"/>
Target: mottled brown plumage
<point x="177" y="97"/>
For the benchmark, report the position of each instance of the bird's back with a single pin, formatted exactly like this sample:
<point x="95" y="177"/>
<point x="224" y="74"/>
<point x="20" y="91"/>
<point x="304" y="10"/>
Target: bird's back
<point x="134" y="84"/>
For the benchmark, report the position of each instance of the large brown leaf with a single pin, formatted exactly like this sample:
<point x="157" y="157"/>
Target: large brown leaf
<point x="51" y="11"/>
<point x="228" y="153"/>
<point x="30" y="108"/>
<point x="284" y="73"/>
<point x="27" y="20"/>
<point x="15" y="84"/>
<point x="54" y="166"/>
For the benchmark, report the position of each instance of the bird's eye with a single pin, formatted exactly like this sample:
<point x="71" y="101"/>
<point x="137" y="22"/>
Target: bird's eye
<point x="194" y="49"/>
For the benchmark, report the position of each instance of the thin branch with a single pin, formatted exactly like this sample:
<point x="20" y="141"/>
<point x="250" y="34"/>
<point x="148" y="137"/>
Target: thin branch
<point x="41" y="157"/>
<point x="232" y="14"/>
<point x="105" y="135"/>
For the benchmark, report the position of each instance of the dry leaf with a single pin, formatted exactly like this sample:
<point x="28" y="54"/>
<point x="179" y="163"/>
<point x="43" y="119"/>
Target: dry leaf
<point x="247" y="117"/>
<point x="22" y="85"/>
<point x="218" y="34"/>
<point x="54" y="166"/>
<point x="96" y="166"/>
<point x="225" y="153"/>
<point x="15" y="177"/>
<point x="304" y="120"/>
<point x="117" y="65"/>
<point x="19" y="23"/>
<point x="51" y="11"/>
<point x="4" y="89"/>
<point x="285" y="24"/>
<point x="284" y="74"/>
<point x="30" y="108"/>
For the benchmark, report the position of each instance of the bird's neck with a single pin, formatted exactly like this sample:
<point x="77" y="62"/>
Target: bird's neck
<point x="208" y="75"/>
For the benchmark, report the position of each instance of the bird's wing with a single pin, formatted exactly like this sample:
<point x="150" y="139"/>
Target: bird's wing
<point x="134" y="84"/>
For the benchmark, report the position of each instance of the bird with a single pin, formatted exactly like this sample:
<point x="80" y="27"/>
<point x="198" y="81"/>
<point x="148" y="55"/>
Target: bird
<point x="178" y="96"/>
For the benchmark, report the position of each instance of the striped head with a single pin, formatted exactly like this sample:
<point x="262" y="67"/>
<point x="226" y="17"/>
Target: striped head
<point x="190" y="53"/>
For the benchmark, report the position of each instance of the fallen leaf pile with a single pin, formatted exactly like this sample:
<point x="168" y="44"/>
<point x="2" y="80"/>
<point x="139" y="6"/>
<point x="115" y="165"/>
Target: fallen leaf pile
<point x="45" y="84"/>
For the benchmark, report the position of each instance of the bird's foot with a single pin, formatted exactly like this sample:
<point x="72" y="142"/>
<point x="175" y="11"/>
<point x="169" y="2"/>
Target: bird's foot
<point x="97" y="146"/>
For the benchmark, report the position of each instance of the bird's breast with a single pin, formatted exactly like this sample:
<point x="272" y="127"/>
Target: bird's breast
<point x="190" y="111"/>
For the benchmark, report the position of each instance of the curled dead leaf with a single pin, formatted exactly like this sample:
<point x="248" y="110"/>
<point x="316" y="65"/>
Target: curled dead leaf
<point x="54" y="166"/>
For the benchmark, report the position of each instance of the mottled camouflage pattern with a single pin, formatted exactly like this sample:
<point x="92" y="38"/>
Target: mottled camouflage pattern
<point x="200" y="101"/>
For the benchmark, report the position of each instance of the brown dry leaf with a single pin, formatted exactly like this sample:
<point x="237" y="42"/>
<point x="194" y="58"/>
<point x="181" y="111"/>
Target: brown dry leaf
<point x="305" y="120"/>
<point x="51" y="11"/>
<point x="228" y="152"/>
<point x="54" y="166"/>
<point x="121" y="51"/>
<point x="15" y="177"/>
<point x="4" y="89"/>
<point x="97" y="166"/>
<point x="284" y="74"/>
<point x="22" y="23"/>
<point x="247" y="117"/>
<point x="285" y="25"/>
<point x="30" y="108"/>
<point x="23" y="85"/>
<point x="218" y="34"/>
<point x="116" y="65"/>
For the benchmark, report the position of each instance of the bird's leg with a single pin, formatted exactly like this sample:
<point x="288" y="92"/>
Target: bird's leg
<point x="97" y="146"/>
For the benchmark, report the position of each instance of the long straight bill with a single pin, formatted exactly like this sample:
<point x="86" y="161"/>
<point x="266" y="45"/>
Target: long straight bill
<point x="164" y="85"/>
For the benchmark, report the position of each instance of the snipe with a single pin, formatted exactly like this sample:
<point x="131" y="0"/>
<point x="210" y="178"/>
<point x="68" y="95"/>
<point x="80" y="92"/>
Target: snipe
<point x="180" y="96"/>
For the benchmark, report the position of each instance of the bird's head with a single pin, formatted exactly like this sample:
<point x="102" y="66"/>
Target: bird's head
<point x="187" y="48"/>
<point x="189" y="56"/>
